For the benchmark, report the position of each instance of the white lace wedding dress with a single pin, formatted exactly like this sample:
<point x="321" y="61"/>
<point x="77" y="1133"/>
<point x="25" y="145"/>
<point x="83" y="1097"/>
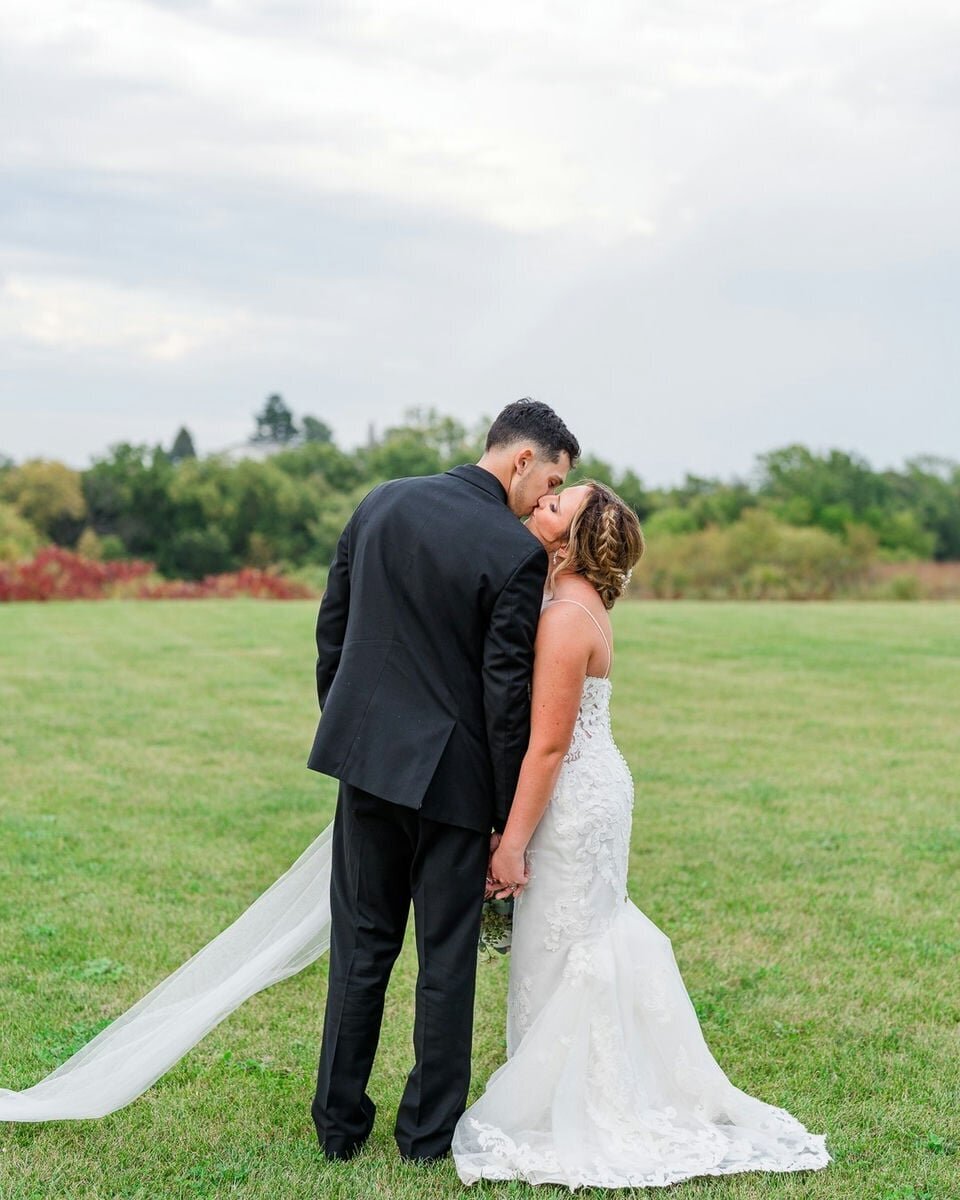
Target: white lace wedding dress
<point x="608" y="1081"/>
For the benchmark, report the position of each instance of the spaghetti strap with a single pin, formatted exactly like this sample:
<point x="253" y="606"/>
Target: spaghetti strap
<point x="606" y="674"/>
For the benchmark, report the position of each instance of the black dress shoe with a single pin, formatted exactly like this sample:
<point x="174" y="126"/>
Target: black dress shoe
<point x="424" y="1160"/>
<point x="343" y="1152"/>
<point x="347" y="1143"/>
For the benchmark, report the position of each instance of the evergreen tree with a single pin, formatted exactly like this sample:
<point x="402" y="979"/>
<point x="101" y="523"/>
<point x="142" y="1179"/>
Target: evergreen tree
<point x="275" y="422"/>
<point x="315" y="430"/>
<point x="182" y="446"/>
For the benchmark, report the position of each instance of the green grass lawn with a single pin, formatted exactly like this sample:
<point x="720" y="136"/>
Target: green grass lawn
<point x="796" y="833"/>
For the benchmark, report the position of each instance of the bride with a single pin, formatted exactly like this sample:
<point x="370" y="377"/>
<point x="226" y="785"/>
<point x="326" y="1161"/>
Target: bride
<point x="608" y="1081"/>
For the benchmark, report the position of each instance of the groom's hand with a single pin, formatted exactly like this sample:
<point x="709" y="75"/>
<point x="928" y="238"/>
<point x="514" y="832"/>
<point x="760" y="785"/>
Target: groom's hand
<point x="490" y="885"/>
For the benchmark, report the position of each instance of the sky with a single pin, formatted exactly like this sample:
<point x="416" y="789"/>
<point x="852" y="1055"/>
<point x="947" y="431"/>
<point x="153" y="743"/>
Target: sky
<point x="700" y="229"/>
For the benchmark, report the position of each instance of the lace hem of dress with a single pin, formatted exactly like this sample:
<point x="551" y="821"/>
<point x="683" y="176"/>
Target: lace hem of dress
<point x="503" y="1158"/>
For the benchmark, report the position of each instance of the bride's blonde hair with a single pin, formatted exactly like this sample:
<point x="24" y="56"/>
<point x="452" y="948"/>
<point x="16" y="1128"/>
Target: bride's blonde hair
<point x="604" y="544"/>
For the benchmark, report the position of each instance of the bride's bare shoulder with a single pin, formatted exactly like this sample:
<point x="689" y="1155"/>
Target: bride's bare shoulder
<point x="577" y="591"/>
<point x="560" y="613"/>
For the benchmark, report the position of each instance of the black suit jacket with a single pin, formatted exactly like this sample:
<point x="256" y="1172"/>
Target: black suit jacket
<point x="425" y="648"/>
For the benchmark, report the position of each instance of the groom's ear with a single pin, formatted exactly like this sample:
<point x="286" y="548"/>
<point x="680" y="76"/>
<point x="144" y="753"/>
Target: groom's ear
<point x="522" y="460"/>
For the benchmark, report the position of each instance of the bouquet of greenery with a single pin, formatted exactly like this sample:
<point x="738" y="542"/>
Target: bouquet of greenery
<point x="496" y="926"/>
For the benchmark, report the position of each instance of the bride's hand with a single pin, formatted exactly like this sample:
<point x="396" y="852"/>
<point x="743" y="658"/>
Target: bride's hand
<point x="508" y="872"/>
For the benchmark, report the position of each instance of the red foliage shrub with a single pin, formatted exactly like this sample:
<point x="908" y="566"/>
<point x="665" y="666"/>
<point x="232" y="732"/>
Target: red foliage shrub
<point x="251" y="581"/>
<point x="57" y="574"/>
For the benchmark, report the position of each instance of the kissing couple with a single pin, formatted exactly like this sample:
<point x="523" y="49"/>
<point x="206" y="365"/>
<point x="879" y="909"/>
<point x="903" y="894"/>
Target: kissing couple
<point x="463" y="675"/>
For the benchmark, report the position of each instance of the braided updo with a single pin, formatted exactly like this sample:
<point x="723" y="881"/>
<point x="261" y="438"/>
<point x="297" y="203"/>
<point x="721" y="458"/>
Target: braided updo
<point x="604" y="544"/>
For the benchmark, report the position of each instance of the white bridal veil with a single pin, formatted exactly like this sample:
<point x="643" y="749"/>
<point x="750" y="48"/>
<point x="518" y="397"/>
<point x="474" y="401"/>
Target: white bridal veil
<point x="282" y="932"/>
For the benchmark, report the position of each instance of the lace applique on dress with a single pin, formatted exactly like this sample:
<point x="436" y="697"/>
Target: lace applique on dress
<point x="589" y="817"/>
<point x="518" y="1003"/>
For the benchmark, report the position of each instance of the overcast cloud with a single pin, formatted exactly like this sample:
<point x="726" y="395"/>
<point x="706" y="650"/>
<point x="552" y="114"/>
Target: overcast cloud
<point x="699" y="230"/>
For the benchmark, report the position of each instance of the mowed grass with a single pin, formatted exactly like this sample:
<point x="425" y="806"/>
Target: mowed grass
<point x="796" y="833"/>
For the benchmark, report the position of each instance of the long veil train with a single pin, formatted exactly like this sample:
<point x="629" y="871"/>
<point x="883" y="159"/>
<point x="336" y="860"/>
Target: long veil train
<point x="283" y="931"/>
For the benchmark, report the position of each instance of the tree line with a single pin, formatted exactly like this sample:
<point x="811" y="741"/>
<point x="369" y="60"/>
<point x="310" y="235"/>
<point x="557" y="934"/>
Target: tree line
<point x="284" y="502"/>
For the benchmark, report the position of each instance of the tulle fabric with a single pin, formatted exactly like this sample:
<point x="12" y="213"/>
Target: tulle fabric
<point x="613" y="1085"/>
<point x="608" y="1081"/>
<point x="283" y="931"/>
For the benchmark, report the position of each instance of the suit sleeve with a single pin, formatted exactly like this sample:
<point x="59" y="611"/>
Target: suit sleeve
<point x="507" y="668"/>
<point x="332" y="618"/>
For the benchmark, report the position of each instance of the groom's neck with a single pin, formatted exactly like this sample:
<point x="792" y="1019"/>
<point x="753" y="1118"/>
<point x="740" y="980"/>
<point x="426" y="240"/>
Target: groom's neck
<point x="502" y="463"/>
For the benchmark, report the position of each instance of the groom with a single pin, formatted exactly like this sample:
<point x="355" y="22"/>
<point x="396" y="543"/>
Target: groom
<point x="425" y="646"/>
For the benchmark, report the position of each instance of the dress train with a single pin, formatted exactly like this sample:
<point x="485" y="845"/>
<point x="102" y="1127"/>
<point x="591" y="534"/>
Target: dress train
<point x="283" y="931"/>
<point x="612" y="1084"/>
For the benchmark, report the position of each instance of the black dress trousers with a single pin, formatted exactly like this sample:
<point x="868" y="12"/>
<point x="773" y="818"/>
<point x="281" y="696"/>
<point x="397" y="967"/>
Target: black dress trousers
<point x="384" y="855"/>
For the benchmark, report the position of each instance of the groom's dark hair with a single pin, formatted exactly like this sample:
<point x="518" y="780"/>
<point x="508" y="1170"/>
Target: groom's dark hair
<point x="534" y="421"/>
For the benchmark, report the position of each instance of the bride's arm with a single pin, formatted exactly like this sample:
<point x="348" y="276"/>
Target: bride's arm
<point x="559" y="669"/>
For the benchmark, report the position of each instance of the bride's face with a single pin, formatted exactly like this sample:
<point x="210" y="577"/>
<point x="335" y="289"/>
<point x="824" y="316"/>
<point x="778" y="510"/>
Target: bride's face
<point x="550" y="521"/>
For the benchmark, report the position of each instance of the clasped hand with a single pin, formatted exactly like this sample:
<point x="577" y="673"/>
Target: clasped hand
<point x="507" y="871"/>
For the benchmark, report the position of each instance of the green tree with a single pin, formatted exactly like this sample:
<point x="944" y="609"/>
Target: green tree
<point x="18" y="538"/>
<point x="127" y="495"/>
<point x="902" y="534"/>
<point x="323" y="461"/>
<point x="195" y="553"/>
<point x="182" y="446"/>
<point x="628" y="486"/>
<point x="630" y="489"/>
<point x="401" y="453"/>
<point x="671" y="519"/>
<point x="50" y="496"/>
<point x="707" y="501"/>
<point x="838" y="490"/>
<point x="275" y="422"/>
<point x="930" y="488"/>
<point x="263" y="512"/>
<point x="833" y="488"/>
<point x="453" y="442"/>
<point x="426" y="443"/>
<point x="315" y="430"/>
<point x="327" y="522"/>
<point x="591" y="467"/>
